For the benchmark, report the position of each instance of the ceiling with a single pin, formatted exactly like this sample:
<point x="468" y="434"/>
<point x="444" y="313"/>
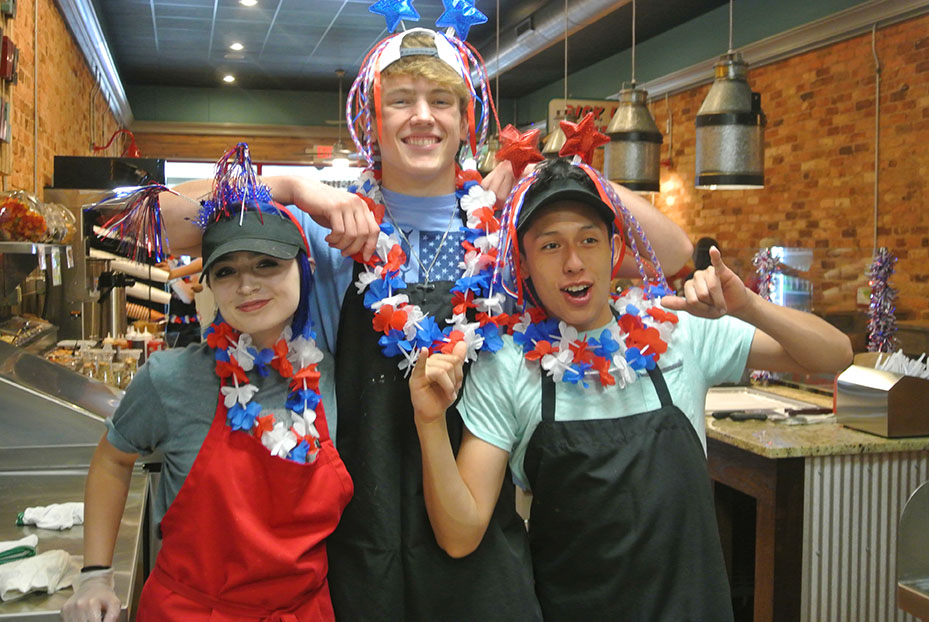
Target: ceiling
<point x="299" y="44"/>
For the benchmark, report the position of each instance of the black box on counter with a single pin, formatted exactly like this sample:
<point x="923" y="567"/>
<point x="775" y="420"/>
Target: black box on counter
<point x="100" y="173"/>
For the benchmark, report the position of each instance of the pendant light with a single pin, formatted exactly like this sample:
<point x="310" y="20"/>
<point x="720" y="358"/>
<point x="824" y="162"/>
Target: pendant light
<point x="489" y="160"/>
<point x="633" y="156"/>
<point x="730" y="128"/>
<point x="556" y="138"/>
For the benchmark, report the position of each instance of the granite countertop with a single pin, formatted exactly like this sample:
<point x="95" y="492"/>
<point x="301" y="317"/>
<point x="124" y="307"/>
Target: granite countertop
<point x="778" y="440"/>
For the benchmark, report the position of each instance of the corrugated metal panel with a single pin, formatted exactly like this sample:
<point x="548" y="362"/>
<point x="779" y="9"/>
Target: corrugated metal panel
<point x="852" y="507"/>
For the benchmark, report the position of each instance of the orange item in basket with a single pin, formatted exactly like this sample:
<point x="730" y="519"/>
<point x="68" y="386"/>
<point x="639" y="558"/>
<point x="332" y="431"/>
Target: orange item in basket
<point x="21" y="223"/>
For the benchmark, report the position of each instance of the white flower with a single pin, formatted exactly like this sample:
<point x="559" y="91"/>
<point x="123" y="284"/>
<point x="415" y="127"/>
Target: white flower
<point x="242" y="394"/>
<point x="557" y="364"/>
<point x="365" y="278"/>
<point x="240" y="352"/>
<point x="476" y="198"/>
<point x="525" y="320"/>
<point x="279" y="440"/>
<point x="408" y="362"/>
<point x="303" y="352"/>
<point x="492" y="305"/>
<point x="395" y="301"/>
<point x="487" y="242"/>
<point x="621" y="371"/>
<point x="306" y="424"/>
<point x="474" y="340"/>
<point x="385" y="243"/>
<point x="414" y="315"/>
<point x="568" y="336"/>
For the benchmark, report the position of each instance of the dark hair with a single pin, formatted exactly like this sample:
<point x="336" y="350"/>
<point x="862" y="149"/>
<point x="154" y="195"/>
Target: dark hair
<point x="302" y="323"/>
<point x="549" y="173"/>
<point x="702" y="252"/>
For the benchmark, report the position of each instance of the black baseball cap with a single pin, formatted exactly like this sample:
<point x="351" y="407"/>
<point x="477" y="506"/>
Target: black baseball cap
<point x="268" y="233"/>
<point x="562" y="189"/>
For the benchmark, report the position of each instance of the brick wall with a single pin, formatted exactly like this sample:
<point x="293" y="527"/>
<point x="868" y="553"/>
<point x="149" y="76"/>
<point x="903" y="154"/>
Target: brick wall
<point x="66" y="100"/>
<point x="819" y="166"/>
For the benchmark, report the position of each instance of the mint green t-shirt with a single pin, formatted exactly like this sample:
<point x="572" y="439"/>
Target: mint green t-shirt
<point x="502" y="402"/>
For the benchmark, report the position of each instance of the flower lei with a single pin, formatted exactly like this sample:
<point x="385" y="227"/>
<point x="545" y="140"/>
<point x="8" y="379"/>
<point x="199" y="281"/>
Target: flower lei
<point x="405" y="327"/>
<point x="635" y="342"/>
<point x="295" y="359"/>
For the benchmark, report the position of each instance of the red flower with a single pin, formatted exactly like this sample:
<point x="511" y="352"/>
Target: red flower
<point x="387" y="319"/>
<point x="486" y="219"/>
<point x="630" y="323"/>
<point x="502" y="321"/>
<point x="581" y="353"/>
<point x="661" y="315"/>
<point x="280" y="362"/>
<point x="454" y="337"/>
<point x="602" y="367"/>
<point x="462" y="302"/>
<point x="395" y="259"/>
<point x="308" y="374"/>
<point x="227" y="369"/>
<point x="649" y="337"/>
<point x="376" y="208"/>
<point x="537" y="314"/>
<point x="221" y="335"/>
<point x="263" y="424"/>
<point x="462" y="176"/>
<point x="541" y="349"/>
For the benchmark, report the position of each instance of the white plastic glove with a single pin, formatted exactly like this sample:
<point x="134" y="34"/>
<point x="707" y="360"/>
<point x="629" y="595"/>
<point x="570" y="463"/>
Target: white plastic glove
<point x="94" y="596"/>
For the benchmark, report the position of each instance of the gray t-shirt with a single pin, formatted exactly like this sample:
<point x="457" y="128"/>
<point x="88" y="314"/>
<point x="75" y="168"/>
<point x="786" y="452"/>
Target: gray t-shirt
<point x="170" y="404"/>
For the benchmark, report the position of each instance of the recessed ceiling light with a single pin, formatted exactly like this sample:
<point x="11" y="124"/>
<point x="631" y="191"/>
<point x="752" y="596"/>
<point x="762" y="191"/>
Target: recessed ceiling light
<point x="228" y="78"/>
<point x="236" y="46"/>
<point x="248" y="2"/>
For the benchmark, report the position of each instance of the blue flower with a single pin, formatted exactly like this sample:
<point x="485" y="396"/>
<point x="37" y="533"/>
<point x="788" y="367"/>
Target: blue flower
<point x="386" y="227"/>
<point x="393" y="343"/>
<point x="428" y="333"/>
<point x="474" y="283"/>
<point x="301" y="399"/>
<point x="575" y="374"/>
<point x="240" y="418"/>
<point x="221" y="355"/>
<point x="262" y="359"/>
<point x="298" y="453"/>
<point x="377" y="290"/>
<point x="657" y="291"/>
<point x="471" y="235"/>
<point x="631" y="309"/>
<point x="605" y="346"/>
<point x="491" y="335"/>
<point x="639" y="361"/>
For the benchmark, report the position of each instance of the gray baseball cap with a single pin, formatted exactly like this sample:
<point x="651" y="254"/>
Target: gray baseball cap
<point x="259" y="232"/>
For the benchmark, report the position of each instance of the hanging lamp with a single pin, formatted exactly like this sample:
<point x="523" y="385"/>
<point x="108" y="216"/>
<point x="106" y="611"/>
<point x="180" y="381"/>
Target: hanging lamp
<point x="633" y="156"/>
<point x="556" y="138"/>
<point x="488" y="160"/>
<point x="730" y="128"/>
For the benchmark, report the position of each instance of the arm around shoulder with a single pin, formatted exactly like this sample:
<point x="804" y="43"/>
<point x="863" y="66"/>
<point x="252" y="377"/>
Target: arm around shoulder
<point x="670" y="243"/>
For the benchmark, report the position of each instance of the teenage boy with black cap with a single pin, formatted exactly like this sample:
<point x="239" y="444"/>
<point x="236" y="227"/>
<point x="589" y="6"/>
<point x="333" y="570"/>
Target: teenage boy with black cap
<point x="416" y="101"/>
<point x="622" y="523"/>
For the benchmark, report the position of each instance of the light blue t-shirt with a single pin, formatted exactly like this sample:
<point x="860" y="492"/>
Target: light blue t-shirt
<point x="423" y="220"/>
<point x="502" y="403"/>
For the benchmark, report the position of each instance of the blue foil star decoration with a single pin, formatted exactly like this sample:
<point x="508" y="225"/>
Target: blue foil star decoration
<point x="394" y="11"/>
<point x="460" y="15"/>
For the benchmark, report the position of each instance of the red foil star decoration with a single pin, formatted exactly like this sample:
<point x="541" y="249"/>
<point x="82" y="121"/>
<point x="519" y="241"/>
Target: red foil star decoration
<point x="582" y="138"/>
<point x="520" y="148"/>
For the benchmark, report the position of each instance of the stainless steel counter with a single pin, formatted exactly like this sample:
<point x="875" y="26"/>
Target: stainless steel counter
<point x="31" y="488"/>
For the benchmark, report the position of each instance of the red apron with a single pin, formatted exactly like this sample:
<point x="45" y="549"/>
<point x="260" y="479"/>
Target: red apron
<point x="244" y="539"/>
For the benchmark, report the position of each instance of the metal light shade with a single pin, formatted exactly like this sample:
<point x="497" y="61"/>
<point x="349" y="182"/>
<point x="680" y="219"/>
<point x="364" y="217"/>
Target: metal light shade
<point x="730" y="131"/>
<point x="633" y="156"/>
<point x="489" y="160"/>
<point x="554" y="141"/>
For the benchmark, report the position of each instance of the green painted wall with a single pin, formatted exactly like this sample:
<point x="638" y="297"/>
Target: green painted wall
<point x="698" y="40"/>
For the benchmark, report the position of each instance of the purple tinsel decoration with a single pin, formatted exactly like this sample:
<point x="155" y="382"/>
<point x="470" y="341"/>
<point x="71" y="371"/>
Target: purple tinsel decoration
<point x="882" y="324"/>
<point x="766" y="266"/>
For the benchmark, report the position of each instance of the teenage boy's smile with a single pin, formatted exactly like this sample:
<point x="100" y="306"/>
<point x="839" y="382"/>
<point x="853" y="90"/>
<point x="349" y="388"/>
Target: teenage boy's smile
<point x="567" y="255"/>
<point x="421" y="131"/>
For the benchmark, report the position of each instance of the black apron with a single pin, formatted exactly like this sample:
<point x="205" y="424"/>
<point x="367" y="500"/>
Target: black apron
<point x="623" y="526"/>
<point x="384" y="562"/>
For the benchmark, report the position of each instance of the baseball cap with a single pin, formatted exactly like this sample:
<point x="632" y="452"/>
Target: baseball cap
<point x="268" y="233"/>
<point x="563" y="189"/>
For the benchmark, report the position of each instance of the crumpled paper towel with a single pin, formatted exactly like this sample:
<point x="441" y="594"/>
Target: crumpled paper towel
<point x="47" y="572"/>
<point x="54" y="516"/>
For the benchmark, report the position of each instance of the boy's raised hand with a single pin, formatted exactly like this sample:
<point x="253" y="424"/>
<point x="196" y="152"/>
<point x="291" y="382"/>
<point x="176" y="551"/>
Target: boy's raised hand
<point x="352" y="223"/>
<point x="435" y="382"/>
<point x="711" y="293"/>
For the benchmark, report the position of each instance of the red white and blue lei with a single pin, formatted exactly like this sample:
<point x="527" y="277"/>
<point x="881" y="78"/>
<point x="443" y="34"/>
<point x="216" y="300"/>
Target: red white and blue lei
<point x="635" y="342"/>
<point x="295" y="359"/>
<point x="405" y="327"/>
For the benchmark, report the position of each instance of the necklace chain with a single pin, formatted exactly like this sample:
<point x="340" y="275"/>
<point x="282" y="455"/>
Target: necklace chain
<point x="425" y="271"/>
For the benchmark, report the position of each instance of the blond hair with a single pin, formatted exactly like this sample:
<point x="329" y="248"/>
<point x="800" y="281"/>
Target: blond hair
<point x="429" y="67"/>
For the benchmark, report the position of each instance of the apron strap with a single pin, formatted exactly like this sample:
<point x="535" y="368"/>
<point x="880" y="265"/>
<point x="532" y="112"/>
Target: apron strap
<point x="548" y="392"/>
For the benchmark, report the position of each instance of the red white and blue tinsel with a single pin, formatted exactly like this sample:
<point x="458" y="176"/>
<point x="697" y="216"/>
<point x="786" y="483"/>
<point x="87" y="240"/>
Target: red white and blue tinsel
<point x="765" y="262"/>
<point x="235" y="183"/>
<point x="882" y="321"/>
<point x="643" y="329"/>
<point x="295" y="436"/>
<point x="137" y="224"/>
